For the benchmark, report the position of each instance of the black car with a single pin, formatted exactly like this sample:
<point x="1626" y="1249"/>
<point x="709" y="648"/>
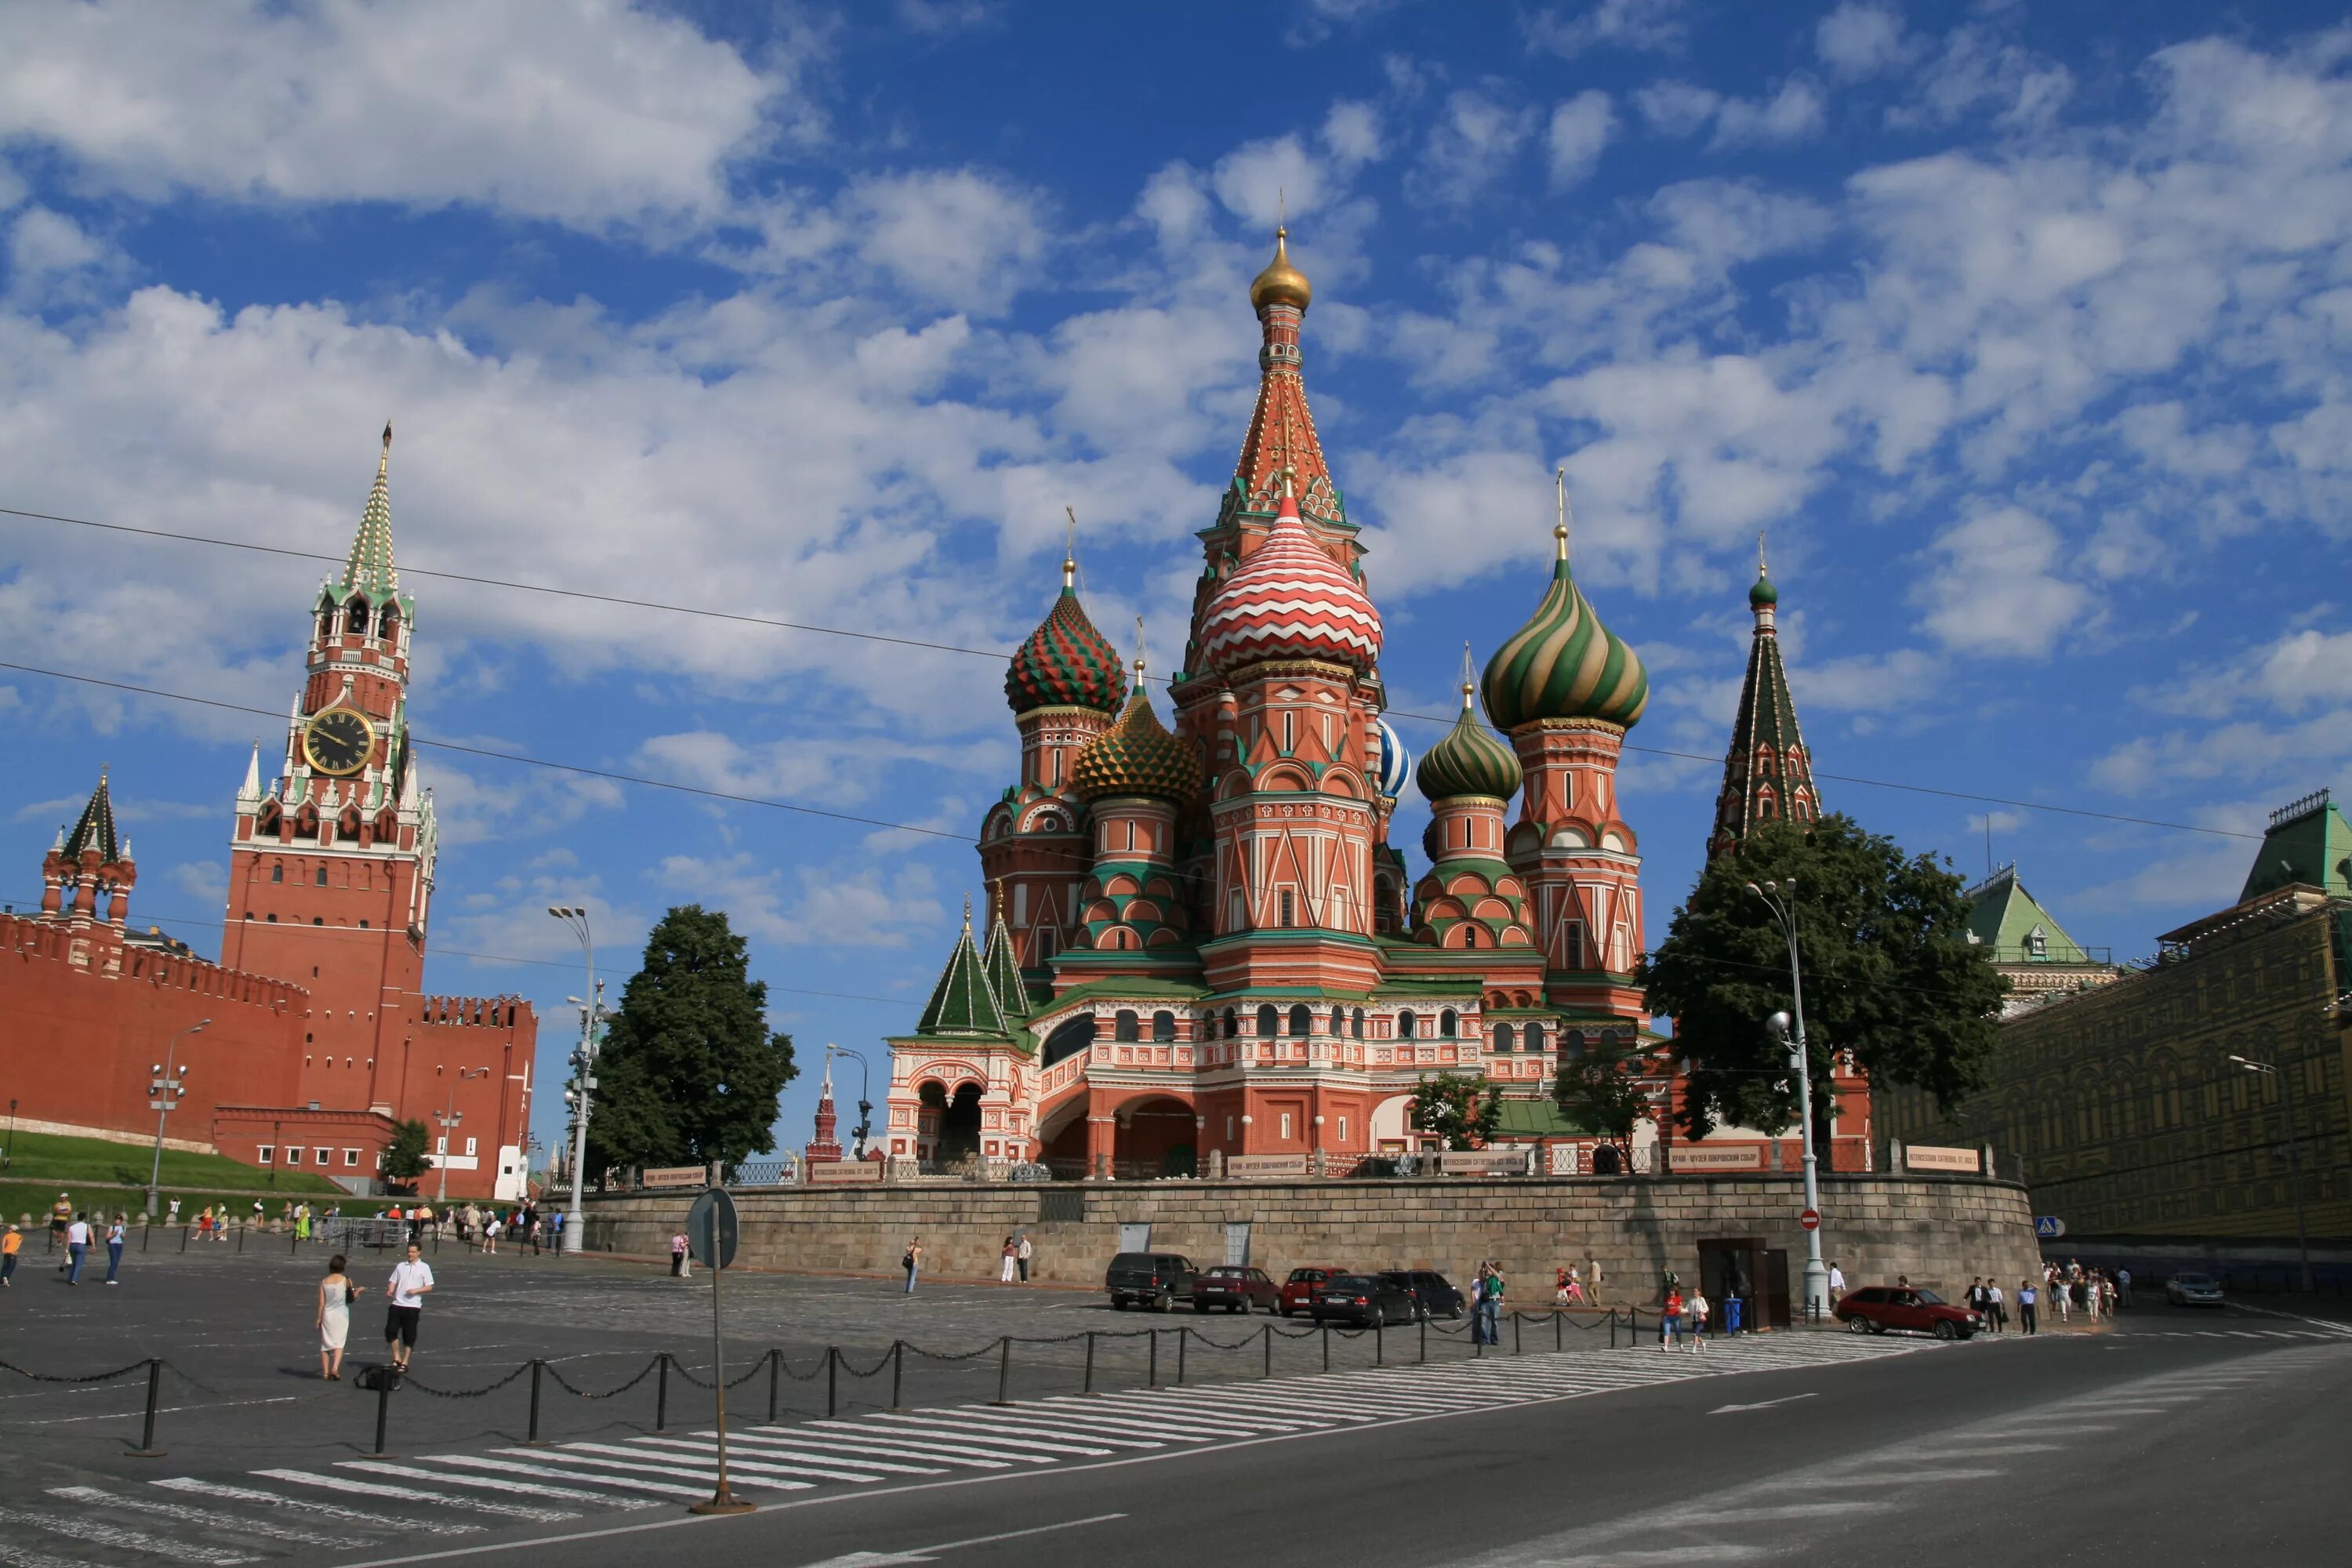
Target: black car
<point x="1156" y="1279"/>
<point x="1433" y="1295"/>
<point x="1366" y="1300"/>
<point x="1237" y="1288"/>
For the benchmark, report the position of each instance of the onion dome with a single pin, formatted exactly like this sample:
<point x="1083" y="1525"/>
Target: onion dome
<point x="1066" y="663"/>
<point x="1396" y="763"/>
<point x="1289" y="600"/>
<point x="1564" y="663"/>
<point x="1137" y="756"/>
<point x="1280" y="283"/>
<point x="1763" y="596"/>
<point x="1469" y="760"/>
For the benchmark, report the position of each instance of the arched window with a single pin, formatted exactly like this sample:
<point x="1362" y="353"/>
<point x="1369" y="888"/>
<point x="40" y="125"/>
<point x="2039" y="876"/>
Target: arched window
<point x="278" y="873"/>
<point x="1504" y="1039"/>
<point x="1469" y="936"/>
<point x="1301" y="1021"/>
<point x="322" y="876"/>
<point x="1449" y="1023"/>
<point x="1405" y="1024"/>
<point x="1265" y="1021"/>
<point x="1534" y="1037"/>
<point x="1338" y="1022"/>
<point x="355" y="618"/>
<point x="1356" y="1026"/>
<point x="1123" y="1025"/>
<point x="1233" y="1024"/>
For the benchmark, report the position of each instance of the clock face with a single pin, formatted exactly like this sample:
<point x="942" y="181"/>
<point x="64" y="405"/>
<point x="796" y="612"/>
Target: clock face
<point x="338" y="741"/>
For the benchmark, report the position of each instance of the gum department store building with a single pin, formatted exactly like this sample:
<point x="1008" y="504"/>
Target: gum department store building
<point x="1200" y="940"/>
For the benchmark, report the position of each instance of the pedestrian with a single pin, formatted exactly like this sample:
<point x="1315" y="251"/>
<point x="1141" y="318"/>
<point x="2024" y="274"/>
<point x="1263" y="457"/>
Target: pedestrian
<point x="1478" y="1304"/>
<point x="1837" y="1283"/>
<point x="302" y="1222"/>
<point x="2062" y="1298"/>
<point x="1996" y="1308"/>
<point x="555" y="1225"/>
<point x="412" y="1281"/>
<point x="1695" y="1316"/>
<point x="1495" y="1292"/>
<point x="490" y="1233"/>
<point x="2123" y="1286"/>
<point x="114" y="1238"/>
<point x="1575" y="1287"/>
<point x="1023" y="1256"/>
<point x="60" y="1216"/>
<point x="171" y="1214"/>
<point x="1669" y="1319"/>
<point x="1592" y="1278"/>
<point x="913" y="1262"/>
<point x="2025" y="1299"/>
<point x="10" y="1245"/>
<point x="677" y="1256"/>
<point x="77" y="1247"/>
<point x="336" y="1294"/>
<point x="1010" y="1256"/>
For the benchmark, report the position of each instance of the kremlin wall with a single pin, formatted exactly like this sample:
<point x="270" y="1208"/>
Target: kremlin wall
<point x="318" y="1038"/>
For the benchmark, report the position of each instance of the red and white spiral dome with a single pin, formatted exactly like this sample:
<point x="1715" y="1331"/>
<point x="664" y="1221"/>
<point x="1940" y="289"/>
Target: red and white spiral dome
<point x="1289" y="600"/>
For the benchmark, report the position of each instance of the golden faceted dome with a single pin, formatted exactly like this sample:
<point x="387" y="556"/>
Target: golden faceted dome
<point x="1280" y="283"/>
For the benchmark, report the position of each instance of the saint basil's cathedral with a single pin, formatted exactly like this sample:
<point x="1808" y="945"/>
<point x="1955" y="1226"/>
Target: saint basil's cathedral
<point x="1200" y="946"/>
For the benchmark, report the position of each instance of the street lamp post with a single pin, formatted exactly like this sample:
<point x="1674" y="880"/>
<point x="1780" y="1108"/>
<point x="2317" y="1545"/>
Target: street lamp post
<point x="2294" y="1157"/>
<point x="449" y="1118"/>
<point x="865" y="1103"/>
<point x="1783" y="905"/>
<point x="583" y="1061"/>
<point x="8" y="1155"/>
<point x="165" y="1089"/>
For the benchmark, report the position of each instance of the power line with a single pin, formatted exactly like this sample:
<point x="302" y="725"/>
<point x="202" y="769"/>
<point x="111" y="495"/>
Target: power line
<point x="703" y="612"/>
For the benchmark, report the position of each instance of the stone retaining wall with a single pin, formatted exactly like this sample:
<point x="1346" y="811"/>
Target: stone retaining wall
<point x="1937" y="1230"/>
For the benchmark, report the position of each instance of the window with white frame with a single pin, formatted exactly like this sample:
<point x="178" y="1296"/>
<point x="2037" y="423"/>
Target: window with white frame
<point x="265" y="1155"/>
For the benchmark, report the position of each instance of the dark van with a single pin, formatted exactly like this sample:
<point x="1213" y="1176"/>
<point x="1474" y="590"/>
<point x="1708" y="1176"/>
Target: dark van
<point x="1155" y="1279"/>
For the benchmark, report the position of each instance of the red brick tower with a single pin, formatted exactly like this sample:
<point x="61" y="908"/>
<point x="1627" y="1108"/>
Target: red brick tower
<point x="824" y="1149"/>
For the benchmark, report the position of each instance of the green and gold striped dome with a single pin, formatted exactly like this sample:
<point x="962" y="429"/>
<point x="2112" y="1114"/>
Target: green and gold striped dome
<point x="1564" y="663"/>
<point x="1137" y="756"/>
<point x="1468" y="760"/>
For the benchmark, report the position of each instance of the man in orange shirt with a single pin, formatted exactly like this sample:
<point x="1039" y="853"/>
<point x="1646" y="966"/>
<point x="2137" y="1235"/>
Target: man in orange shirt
<point x="10" y="1244"/>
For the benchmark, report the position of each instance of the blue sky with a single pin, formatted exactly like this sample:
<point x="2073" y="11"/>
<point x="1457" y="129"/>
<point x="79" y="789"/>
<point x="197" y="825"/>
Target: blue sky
<point x="2025" y="339"/>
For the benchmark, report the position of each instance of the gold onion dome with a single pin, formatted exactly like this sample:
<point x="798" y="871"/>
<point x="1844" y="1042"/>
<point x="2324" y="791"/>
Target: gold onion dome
<point x="1066" y="663"/>
<point x="1281" y="283"/>
<point x="1468" y="760"/>
<point x="1564" y="663"/>
<point x="1137" y="756"/>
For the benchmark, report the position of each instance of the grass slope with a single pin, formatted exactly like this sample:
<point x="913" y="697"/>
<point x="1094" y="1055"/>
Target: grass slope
<point x="42" y="1164"/>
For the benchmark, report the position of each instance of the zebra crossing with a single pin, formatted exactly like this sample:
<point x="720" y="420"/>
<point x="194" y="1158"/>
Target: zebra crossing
<point x="391" y="1504"/>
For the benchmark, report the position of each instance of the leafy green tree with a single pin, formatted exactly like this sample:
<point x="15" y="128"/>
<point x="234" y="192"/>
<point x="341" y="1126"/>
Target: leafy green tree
<point x="1464" y="1111"/>
<point x="1602" y="1090"/>
<point x="1889" y="974"/>
<point x="689" y="1071"/>
<point x="403" y="1158"/>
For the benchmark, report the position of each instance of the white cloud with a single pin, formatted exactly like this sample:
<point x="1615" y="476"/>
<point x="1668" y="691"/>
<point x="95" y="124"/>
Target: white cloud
<point x="1998" y="591"/>
<point x="1352" y="130"/>
<point x="1676" y="108"/>
<point x="1792" y="114"/>
<point x="1655" y="25"/>
<point x="1975" y="76"/>
<point x="1257" y="181"/>
<point x="618" y="115"/>
<point x="962" y="238"/>
<point x="54" y="262"/>
<point x="1858" y="39"/>
<point x="1580" y="128"/>
<point x="1471" y="146"/>
<point x="829" y="906"/>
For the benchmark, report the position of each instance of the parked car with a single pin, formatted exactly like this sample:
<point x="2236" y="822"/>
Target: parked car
<point x="1298" y="1291"/>
<point x="1366" y="1300"/>
<point x="1875" y="1309"/>
<point x="1235" y="1287"/>
<point x="1434" y="1296"/>
<point x="2193" y="1290"/>
<point x="1154" y="1280"/>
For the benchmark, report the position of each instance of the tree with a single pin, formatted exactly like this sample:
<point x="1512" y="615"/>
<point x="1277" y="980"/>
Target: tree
<point x="1889" y="974"/>
<point x="1464" y="1111"/>
<point x="404" y="1157"/>
<point x="689" y="1071"/>
<point x="1603" y="1089"/>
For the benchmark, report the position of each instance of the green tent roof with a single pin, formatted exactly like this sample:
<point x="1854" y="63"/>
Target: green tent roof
<point x="2310" y="843"/>
<point x="963" y="1003"/>
<point x="2012" y="921"/>
<point x="1537" y="1119"/>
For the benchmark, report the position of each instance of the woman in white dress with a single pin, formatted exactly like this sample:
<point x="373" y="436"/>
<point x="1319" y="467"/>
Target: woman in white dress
<point x="336" y="1294"/>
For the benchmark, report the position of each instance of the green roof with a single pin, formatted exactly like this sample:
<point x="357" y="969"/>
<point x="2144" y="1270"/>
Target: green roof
<point x="1137" y="987"/>
<point x="2309" y="844"/>
<point x="963" y="1003"/>
<point x="95" y="829"/>
<point x="1003" y="967"/>
<point x="2006" y="918"/>
<point x="1537" y="1119"/>
<point x="370" y="568"/>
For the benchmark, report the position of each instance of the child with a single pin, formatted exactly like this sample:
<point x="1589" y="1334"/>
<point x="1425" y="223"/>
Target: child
<point x="1697" y="1316"/>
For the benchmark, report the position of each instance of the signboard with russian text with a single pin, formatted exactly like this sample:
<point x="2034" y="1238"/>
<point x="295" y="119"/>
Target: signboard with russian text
<point x="674" y="1176"/>
<point x="1265" y="1167"/>
<point x="1691" y="1158"/>
<point x="1483" y="1161"/>
<point x="1918" y="1158"/>
<point x="845" y="1173"/>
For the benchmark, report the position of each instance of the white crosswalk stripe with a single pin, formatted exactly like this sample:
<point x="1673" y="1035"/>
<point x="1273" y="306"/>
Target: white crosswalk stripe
<point x="208" y="1522"/>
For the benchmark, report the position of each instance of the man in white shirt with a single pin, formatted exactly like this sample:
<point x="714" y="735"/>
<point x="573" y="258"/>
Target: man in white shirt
<point x="412" y="1281"/>
<point x="1837" y="1283"/>
<point x="77" y="1247"/>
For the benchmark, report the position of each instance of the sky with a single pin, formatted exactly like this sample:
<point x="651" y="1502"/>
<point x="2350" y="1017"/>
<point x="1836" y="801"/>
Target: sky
<point x="2021" y="330"/>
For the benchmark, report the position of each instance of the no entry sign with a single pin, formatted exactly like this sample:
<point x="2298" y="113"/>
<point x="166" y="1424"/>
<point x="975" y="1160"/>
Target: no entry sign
<point x="1811" y="1219"/>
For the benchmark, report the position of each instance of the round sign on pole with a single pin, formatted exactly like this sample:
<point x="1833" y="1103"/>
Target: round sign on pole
<point x="711" y="1231"/>
<point x="1811" y="1219"/>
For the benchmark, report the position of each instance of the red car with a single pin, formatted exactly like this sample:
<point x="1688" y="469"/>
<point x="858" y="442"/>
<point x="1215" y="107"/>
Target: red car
<point x="1298" y="1291"/>
<point x="1235" y="1287"/>
<point x="1875" y="1309"/>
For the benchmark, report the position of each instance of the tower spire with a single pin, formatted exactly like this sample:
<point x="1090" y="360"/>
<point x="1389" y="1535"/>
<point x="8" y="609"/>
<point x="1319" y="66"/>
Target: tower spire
<point x="1070" y="553"/>
<point x="1768" y="773"/>
<point x="1281" y="433"/>
<point x="371" y="570"/>
<point x="1559" y="495"/>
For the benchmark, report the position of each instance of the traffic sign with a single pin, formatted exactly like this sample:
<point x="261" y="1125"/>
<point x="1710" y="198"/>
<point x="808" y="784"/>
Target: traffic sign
<point x="2049" y="1227"/>
<point x="712" y="1232"/>
<point x="1811" y="1219"/>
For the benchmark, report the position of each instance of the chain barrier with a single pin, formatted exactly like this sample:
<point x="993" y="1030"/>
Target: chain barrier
<point x="810" y="1376"/>
<point x="565" y="1384"/>
<point x="139" y="1365"/>
<point x="843" y="1362"/>
<point x="409" y="1381"/>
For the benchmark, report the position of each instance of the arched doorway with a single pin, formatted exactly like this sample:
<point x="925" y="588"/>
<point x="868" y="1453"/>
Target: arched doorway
<point x="1155" y="1139"/>
<point x="957" y="1117"/>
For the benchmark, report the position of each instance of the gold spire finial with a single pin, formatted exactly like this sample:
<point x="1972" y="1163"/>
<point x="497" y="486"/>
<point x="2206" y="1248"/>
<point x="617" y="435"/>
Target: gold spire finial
<point x="1138" y="653"/>
<point x="1559" y="529"/>
<point x="967" y="914"/>
<point x="383" y="463"/>
<point x="1070" y="551"/>
<point x="1760" y="554"/>
<point x="1290" y="481"/>
<point x="1469" y="677"/>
